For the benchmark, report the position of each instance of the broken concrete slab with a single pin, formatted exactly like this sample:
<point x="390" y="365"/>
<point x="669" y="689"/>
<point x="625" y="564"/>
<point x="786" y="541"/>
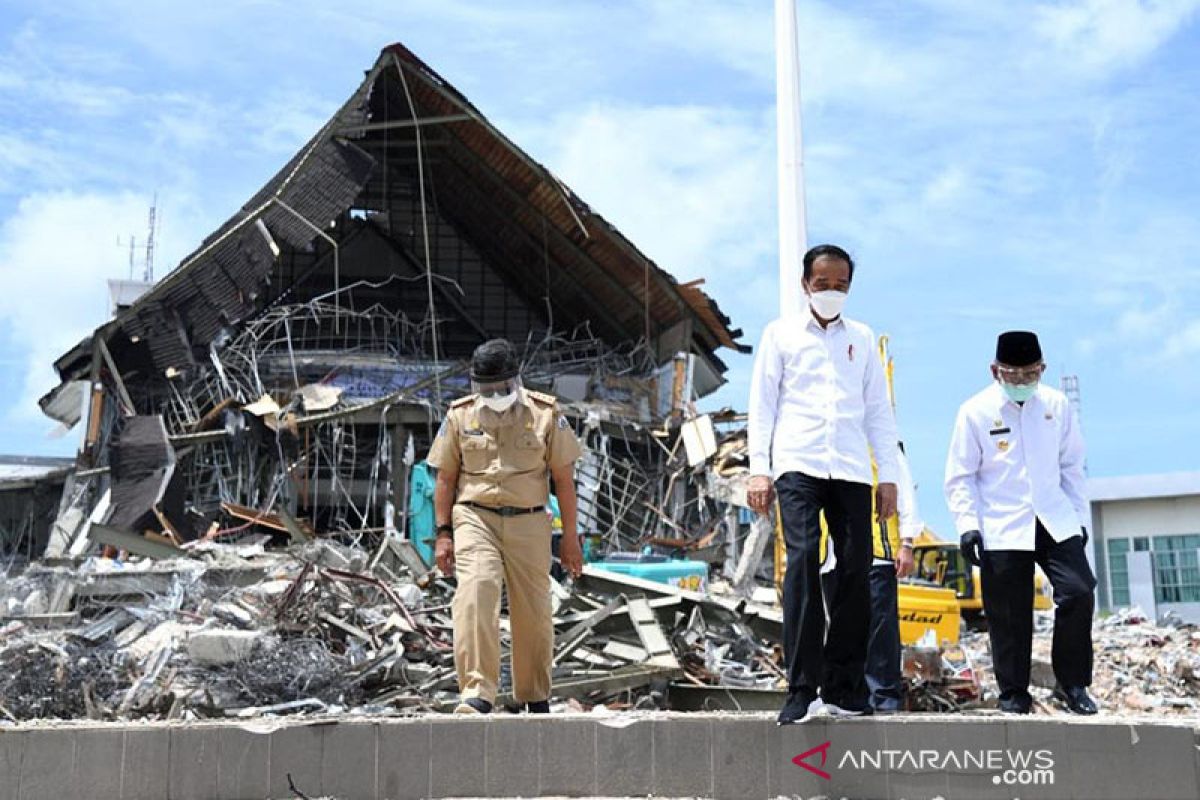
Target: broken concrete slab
<point x="218" y="647"/>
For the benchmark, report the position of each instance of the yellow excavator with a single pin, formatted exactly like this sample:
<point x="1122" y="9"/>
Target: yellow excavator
<point x="943" y="589"/>
<point x="939" y="563"/>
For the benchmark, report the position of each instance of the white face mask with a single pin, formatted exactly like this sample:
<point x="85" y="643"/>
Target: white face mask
<point x="501" y="403"/>
<point x="827" y="304"/>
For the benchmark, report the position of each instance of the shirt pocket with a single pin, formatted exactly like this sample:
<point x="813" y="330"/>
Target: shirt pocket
<point x="477" y="452"/>
<point x="528" y="452"/>
<point x="999" y="445"/>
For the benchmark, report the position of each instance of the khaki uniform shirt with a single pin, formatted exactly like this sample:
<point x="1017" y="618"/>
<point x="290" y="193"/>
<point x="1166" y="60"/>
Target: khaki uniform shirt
<point x="504" y="459"/>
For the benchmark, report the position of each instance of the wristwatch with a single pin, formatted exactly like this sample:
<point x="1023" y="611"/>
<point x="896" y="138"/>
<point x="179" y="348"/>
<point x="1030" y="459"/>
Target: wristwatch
<point x="445" y="529"/>
<point x="906" y="543"/>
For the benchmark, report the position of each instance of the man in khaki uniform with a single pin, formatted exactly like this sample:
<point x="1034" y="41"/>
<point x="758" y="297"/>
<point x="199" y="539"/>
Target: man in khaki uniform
<point x="494" y="452"/>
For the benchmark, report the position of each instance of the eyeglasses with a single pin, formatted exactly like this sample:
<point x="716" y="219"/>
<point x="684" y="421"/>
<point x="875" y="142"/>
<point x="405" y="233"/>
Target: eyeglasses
<point x="1019" y="375"/>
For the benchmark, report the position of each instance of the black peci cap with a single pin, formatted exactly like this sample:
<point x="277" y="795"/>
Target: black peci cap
<point x="494" y="360"/>
<point x="1018" y="349"/>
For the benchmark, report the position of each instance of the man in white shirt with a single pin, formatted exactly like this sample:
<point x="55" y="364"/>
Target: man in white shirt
<point x="1015" y="485"/>
<point x="818" y="407"/>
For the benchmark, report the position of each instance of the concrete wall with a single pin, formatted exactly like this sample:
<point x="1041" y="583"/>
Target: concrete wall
<point x="739" y="756"/>
<point x="1153" y="517"/>
<point x="1163" y="516"/>
<point x="1188" y="612"/>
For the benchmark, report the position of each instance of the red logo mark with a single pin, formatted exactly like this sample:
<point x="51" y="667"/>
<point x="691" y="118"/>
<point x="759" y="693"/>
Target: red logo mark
<point x="823" y="749"/>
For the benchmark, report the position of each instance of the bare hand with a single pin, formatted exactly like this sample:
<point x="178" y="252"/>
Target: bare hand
<point x="443" y="554"/>
<point x="905" y="563"/>
<point x="760" y="493"/>
<point x="570" y="554"/>
<point x="885" y="501"/>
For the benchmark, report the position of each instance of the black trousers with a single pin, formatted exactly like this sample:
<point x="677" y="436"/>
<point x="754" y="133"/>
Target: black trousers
<point x="833" y="664"/>
<point x="883" y="642"/>
<point x="883" y="673"/>
<point x="1007" y="578"/>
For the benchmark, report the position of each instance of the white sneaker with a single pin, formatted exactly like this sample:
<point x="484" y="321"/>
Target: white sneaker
<point x="815" y="709"/>
<point x="838" y="711"/>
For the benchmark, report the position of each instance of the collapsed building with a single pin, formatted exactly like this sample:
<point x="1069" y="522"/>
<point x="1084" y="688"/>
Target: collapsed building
<point x="253" y="428"/>
<point x="30" y="490"/>
<point x="298" y="361"/>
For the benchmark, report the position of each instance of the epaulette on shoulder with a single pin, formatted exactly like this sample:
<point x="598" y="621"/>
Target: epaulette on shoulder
<point x="541" y="397"/>
<point x="462" y="401"/>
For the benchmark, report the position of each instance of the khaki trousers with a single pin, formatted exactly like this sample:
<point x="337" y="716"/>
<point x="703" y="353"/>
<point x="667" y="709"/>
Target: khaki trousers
<point x="491" y="551"/>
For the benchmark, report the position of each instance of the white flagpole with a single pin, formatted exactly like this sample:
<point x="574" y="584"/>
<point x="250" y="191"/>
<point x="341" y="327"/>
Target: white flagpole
<point x="793" y="233"/>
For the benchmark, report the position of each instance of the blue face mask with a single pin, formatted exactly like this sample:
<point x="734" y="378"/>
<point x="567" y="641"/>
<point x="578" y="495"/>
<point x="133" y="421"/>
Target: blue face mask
<point x="1019" y="392"/>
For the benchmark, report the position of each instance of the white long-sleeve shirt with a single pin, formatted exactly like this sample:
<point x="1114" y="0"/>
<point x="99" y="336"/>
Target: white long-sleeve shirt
<point x="1010" y="465"/>
<point x="819" y="402"/>
<point x="911" y="523"/>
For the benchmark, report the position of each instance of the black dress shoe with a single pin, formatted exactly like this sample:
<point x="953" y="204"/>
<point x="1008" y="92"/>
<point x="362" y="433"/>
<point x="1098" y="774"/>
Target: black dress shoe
<point x="539" y="707"/>
<point x="1076" y="699"/>
<point x="798" y="707"/>
<point x="1021" y="703"/>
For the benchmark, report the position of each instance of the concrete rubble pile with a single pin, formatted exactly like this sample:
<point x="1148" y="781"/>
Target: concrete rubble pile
<point x="1143" y="667"/>
<point x="269" y="617"/>
<point x="231" y="630"/>
<point x="240" y="630"/>
<point x="1140" y="667"/>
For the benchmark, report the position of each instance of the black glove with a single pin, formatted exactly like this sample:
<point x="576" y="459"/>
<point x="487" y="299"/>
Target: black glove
<point x="971" y="547"/>
<point x="1083" y="530"/>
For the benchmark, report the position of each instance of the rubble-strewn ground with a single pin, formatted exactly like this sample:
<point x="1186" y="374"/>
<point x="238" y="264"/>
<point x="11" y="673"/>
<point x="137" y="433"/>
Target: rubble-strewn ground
<point x="240" y="631"/>
<point x="1140" y="667"/>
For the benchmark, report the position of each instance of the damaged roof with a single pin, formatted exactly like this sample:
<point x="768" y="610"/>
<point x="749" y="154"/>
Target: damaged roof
<point x="407" y="135"/>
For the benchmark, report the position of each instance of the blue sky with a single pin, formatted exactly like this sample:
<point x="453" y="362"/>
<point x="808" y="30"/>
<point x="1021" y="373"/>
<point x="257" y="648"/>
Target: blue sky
<point x="990" y="165"/>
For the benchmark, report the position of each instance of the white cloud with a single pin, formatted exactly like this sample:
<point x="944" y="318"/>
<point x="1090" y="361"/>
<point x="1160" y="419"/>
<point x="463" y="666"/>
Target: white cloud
<point x="1140" y="322"/>
<point x="844" y="56"/>
<point x="693" y="186"/>
<point x="738" y="32"/>
<point x="56" y="253"/>
<point x="947" y="186"/>
<point x="1183" y="342"/>
<point x="21" y="159"/>
<point x="89" y="98"/>
<point x="1148" y="325"/>
<point x="1099" y="35"/>
<point x="285" y="121"/>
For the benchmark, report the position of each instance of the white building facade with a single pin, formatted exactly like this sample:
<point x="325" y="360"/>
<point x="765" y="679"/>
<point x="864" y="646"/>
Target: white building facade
<point x="1145" y="543"/>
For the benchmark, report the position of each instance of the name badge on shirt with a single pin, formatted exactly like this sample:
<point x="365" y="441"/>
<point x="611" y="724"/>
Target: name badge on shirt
<point x="999" y="431"/>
